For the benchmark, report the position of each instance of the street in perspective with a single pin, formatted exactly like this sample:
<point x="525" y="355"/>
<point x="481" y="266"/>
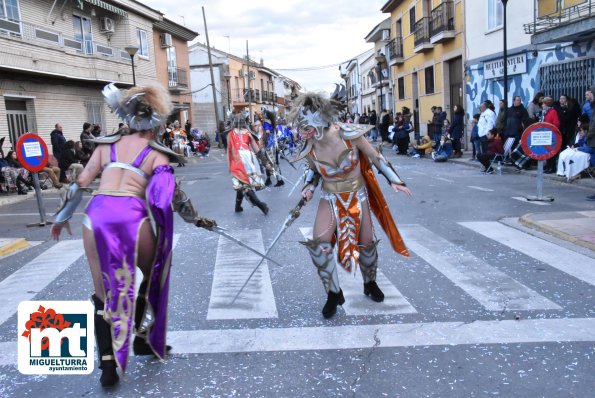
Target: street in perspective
<point x="400" y="205"/>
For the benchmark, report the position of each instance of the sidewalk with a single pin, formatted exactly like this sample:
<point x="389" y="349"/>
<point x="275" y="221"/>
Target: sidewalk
<point x="581" y="182"/>
<point x="577" y="227"/>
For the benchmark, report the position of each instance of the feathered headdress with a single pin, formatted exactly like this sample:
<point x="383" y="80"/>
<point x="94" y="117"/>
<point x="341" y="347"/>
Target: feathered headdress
<point x="141" y="108"/>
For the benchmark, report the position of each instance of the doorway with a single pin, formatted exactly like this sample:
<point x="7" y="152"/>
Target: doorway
<point x="455" y="79"/>
<point x="16" y="116"/>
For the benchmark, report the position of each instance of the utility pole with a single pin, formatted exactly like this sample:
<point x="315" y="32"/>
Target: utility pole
<point x="249" y="92"/>
<point x="505" y="51"/>
<point x="212" y="77"/>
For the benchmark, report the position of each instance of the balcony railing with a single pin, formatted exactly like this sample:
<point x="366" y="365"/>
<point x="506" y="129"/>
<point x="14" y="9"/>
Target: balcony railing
<point x="241" y="95"/>
<point x="46" y="37"/>
<point x="178" y="78"/>
<point x="564" y="16"/>
<point x="395" y="50"/>
<point x="421" y="33"/>
<point x="442" y="18"/>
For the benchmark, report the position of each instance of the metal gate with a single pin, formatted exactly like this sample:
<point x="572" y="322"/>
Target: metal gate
<point x="571" y="77"/>
<point x="16" y="116"/>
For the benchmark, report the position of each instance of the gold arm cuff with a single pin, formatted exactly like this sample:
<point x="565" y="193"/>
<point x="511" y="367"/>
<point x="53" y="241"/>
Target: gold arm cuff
<point x="107" y="357"/>
<point x="351" y="185"/>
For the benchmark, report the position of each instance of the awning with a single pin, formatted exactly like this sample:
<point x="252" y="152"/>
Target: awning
<point x="107" y="6"/>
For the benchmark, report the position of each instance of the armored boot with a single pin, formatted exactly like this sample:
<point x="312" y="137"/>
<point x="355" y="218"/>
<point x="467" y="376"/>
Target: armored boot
<point x="140" y="345"/>
<point x="252" y="198"/>
<point x="107" y="360"/>
<point x="239" y="198"/>
<point x="368" y="264"/>
<point x="280" y="182"/>
<point x="326" y="266"/>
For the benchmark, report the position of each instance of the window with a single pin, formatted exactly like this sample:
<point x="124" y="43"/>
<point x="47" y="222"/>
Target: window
<point x="143" y="45"/>
<point x="401" y="87"/>
<point x="429" y="77"/>
<point x="172" y="67"/>
<point x="412" y="20"/>
<point x="82" y="32"/>
<point x="94" y="112"/>
<point x="9" y="9"/>
<point x="495" y="14"/>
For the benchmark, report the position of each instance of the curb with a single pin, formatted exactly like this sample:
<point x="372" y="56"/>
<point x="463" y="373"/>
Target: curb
<point x="14" y="198"/>
<point x="526" y="221"/>
<point x="12" y="246"/>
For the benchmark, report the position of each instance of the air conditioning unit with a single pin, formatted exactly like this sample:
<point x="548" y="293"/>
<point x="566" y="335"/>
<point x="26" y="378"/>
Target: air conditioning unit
<point x="107" y="25"/>
<point x="242" y="73"/>
<point x="252" y="75"/>
<point x="385" y="34"/>
<point x="165" y="40"/>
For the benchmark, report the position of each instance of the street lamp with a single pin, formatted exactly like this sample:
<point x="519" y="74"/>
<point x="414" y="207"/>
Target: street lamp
<point x="131" y="50"/>
<point x="504" y="2"/>
<point x="380" y="59"/>
<point x="227" y="77"/>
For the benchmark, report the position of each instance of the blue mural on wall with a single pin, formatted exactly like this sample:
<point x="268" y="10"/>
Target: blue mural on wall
<point x="478" y="88"/>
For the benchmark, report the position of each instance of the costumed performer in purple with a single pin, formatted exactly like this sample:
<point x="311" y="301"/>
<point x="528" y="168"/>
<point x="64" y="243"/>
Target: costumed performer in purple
<point x="127" y="224"/>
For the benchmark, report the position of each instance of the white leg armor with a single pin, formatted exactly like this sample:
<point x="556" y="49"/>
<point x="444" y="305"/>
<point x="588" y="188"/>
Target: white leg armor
<point x="323" y="258"/>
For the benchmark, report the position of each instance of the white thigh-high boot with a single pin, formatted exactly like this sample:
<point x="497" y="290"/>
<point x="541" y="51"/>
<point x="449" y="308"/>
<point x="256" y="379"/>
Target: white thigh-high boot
<point x="323" y="258"/>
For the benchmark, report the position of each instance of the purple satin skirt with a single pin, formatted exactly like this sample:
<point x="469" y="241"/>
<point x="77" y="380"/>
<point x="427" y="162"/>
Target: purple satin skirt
<point x="116" y="222"/>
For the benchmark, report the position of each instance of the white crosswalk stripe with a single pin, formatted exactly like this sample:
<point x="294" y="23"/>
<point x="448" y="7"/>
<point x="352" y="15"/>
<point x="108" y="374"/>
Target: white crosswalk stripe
<point x="492" y="288"/>
<point x="34" y="276"/>
<point x="565" y="260"/>
<point x="232" y="267"/>
<point x="37" y="274"/>
<point x="356" y="303"/>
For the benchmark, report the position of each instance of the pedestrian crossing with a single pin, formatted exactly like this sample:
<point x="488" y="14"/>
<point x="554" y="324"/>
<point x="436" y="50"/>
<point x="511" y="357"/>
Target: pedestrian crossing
<point x="467" y="271"/>
<point x="468" y="274"/>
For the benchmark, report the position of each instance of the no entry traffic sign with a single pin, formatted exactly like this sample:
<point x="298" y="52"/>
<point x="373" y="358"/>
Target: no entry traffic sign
<point x="541" y="141"/>
<point x="32" y="152"/>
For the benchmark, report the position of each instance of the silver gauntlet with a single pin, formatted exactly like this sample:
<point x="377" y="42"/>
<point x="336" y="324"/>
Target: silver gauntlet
<point x="70" y="201"/>
<point x="183" y="206"/>
<point x="387" y="170"/>
<point x="311" y="179"/>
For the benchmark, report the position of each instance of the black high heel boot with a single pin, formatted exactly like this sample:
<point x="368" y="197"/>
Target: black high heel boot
<point x="140" y="345"/>
<point x="107" y="360"/>
<point x="251" y="195"/>
<point x="333" y="300"/>
<point x="371" y="289"/>
<point x="239" y="198"/>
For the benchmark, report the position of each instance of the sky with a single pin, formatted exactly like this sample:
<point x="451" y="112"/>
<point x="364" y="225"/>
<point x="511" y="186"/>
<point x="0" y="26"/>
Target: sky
<point x="286" y="34"/>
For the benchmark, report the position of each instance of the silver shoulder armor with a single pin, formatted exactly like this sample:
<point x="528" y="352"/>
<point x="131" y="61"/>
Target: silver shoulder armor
<point x="108" y="139"/>
<point x="174" y="157"/>
<point x="351" y="131"/>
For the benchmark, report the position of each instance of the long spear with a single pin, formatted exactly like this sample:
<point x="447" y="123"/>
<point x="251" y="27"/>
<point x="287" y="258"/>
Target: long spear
<point x="293" y="215"/>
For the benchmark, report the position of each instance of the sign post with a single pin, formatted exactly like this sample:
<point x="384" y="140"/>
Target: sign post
<point x="32" y="153"/>
<point x="541" y="141"/>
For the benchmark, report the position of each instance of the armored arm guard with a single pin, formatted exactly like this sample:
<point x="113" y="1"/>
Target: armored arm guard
<point x="183" y="206"/>
<point x="70" y="201"/>
<point x="312" y="178"/>
<point x="386" y="169"/>
<point x="264" y="159"/>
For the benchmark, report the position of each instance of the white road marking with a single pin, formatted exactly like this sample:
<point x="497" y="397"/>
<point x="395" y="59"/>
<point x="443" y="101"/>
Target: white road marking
<point x="191" y="182"/>
<point x="522" y="199"/>
<point x="30" y="214"/>
<point x="219" y="341"/>
<point x="232" y="267"/>
<point x="34" y="276"/>
<point x="356" y="303"/>
<point x="492" y="288"/>
<point x="565" y="260"/>
<point x="480" y="188"/>
<point x="443" y="179"/>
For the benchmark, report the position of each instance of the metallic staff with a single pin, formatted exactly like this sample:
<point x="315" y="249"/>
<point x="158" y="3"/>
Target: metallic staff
<point x="293" y="215"/>
<point x="221" y="231"/>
